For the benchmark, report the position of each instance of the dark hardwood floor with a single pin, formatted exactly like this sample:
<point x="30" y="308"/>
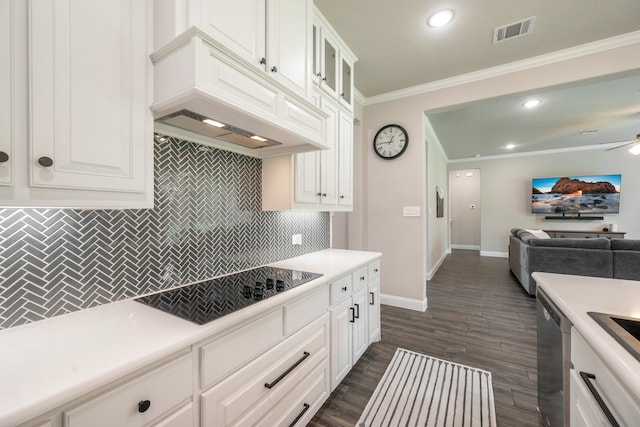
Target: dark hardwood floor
<point x="477" y="315"/>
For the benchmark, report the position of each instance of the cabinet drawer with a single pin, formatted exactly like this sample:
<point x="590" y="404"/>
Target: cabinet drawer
<point x="623" y="405"/>
<point x="303" y="311"/>
<point x="164" y="387"/>
<point x="298" y="407"/>
<point x="224" y="355"/>
<point x="374" y="270"/>
<point x="341" y="288"/>
<point x="181" y="418"/>
<point x="243" y="398"/>
<point x="360" y="277"/>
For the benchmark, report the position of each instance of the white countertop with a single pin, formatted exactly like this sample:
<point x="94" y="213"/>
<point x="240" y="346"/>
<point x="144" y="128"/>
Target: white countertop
<point x="577" y="295"/>
<point x="50" y="362"/>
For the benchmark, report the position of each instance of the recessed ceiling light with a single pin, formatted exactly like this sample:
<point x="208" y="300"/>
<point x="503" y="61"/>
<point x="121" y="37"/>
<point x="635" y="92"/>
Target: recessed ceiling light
<point x="259" y="138"/>
<point x="440" y="18"/>
<point x="532" y="103"/>
<point x="635" y="149"/>
<point x="510" y="146"/>
<point x="213" y="123"/>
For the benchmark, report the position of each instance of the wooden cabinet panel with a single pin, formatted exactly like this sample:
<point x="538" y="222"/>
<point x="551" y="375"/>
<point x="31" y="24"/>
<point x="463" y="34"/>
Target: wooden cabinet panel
<point x="89" y="105"/>
<point x="244" y="397"/>
<point x="6" y="92"/>
<point x="231" y="351"/>
<point x="164" y="388"/>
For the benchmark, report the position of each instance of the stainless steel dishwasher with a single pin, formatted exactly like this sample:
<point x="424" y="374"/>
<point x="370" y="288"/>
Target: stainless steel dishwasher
<point x="554" y="362"/>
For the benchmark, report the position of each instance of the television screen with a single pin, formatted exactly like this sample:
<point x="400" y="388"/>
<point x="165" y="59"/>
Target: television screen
<point x="576" y="194"/>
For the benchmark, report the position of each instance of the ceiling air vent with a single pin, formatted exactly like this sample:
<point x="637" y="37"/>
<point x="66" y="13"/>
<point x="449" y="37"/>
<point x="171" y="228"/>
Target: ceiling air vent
<point x="512" y="30"/>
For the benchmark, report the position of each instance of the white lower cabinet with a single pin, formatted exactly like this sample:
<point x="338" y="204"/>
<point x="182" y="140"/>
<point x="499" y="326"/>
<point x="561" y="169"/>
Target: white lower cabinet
<point x="251" y="393"/>
<point x="139" y="401"/>
<point x="373" y="311"/>
<point x="355" y="319"/>
<point x="595" y="390"/>
<point x="274" y="368"/>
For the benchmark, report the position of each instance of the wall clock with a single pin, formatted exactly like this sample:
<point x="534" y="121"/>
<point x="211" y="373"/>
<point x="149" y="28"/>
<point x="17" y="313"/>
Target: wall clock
<point x="390" y="141"/>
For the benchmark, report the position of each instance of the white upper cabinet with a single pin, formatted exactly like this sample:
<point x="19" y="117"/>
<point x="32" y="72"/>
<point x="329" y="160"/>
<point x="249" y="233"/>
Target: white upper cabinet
<point x="332" y="62"/>
<point x="87" y="120"/>
<point x="272" y="35"/>
<point x="240" y="25"/>
<point x="289" y="43"/>
<point x="6" y="109"/>
<point x="244" y="63"/>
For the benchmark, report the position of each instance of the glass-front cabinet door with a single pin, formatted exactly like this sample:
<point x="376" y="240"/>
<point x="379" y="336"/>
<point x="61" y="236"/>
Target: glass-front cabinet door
<point x="329" y="80"/>
<point x="346" y="83"/>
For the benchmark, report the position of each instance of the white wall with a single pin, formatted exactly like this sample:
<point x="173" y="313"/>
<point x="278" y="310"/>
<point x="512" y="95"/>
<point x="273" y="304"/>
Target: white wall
<point x="390" y="185"/>
<point x="393" y="184"/>
<point x="437" y="176"/>
<point x="506" y="192"/>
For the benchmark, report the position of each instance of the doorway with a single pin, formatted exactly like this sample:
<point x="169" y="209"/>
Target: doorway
<point x="464" y="220"/>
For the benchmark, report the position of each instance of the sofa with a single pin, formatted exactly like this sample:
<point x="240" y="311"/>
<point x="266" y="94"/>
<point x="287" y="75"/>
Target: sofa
<point x="533" y="250"/>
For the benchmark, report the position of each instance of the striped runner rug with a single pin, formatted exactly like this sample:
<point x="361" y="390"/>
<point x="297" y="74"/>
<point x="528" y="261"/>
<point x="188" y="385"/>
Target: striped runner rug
<point x="419" y="390"/>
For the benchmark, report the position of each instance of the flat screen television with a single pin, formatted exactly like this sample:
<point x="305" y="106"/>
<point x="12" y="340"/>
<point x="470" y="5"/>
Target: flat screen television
<point x="590" y="194"/>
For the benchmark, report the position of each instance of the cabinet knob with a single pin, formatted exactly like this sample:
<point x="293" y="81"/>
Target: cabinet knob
<point x="324" y="194"/>
<point x="318" y="194"/>
<point x="263" y="61"/>
<point x="344" y="289"/>
<point x="45" y="161"/>
<point x="342" y="197"/>
<point x="361" y="277"/>
<point x="4" y="157"/>
<point x="342" y="95"/>
<point x="318" y="75"/>
<point x="274" y="69"/>
<point x="143" y="405"/>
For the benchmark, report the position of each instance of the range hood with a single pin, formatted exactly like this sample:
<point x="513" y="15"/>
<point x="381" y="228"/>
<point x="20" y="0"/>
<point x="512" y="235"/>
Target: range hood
<point x="190" y="121"/>
<point x="198" y="81"/>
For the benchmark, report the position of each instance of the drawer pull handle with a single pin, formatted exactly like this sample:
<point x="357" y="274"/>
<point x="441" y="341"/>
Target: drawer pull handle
<point x="288" y="371"/>
<point x="353" y="317"/>
<point x="143" y="405"/>
<point x="587" y="377"/>
<point x="344" y="289"/>
<point x="357" y="310"/>
<point x="373" y="298"/>
<point x="300" y="415"/>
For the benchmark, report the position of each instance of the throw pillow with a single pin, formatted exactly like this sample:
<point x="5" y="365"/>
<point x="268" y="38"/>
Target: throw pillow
<point x="538" y="234"/>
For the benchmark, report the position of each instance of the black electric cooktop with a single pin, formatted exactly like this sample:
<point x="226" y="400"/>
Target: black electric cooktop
<point x="208" y="300"/>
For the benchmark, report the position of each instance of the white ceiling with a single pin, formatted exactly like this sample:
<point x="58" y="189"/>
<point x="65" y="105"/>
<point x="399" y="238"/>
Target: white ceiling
<point x="397" y="50"/>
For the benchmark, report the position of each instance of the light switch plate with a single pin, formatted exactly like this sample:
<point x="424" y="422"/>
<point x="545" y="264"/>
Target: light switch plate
<point x="411" y="211"/>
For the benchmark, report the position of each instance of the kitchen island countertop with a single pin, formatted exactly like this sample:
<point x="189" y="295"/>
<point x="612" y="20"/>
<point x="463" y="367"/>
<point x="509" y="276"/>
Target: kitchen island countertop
<point x="575" y="296"/>
<point x="48" y="363"/>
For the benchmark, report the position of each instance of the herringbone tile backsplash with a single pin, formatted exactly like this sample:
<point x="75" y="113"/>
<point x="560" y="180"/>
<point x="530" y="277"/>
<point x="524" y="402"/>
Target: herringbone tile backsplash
<point x="207" y="221"/>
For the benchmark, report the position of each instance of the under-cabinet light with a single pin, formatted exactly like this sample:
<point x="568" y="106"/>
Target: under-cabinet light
<point x="213" y="123"/>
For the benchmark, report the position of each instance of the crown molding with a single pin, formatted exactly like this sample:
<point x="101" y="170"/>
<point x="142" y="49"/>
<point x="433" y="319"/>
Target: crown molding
<point x="525" y="64"/>
<point x="537" y="153"/>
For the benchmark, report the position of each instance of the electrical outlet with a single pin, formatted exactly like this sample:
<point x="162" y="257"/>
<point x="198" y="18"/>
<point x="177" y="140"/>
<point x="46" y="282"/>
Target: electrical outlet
<point x="296" y="239"/>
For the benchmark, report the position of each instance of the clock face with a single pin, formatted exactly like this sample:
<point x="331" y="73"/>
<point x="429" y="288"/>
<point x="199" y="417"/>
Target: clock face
<point x="390" y="141"/>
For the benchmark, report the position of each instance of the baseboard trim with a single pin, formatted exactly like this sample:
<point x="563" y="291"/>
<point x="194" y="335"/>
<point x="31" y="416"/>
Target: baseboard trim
<point x="466" y="247"/>
<point x="435" y="268"/>
<point x="402" y="302"/>
<point x="495" y="254"/>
